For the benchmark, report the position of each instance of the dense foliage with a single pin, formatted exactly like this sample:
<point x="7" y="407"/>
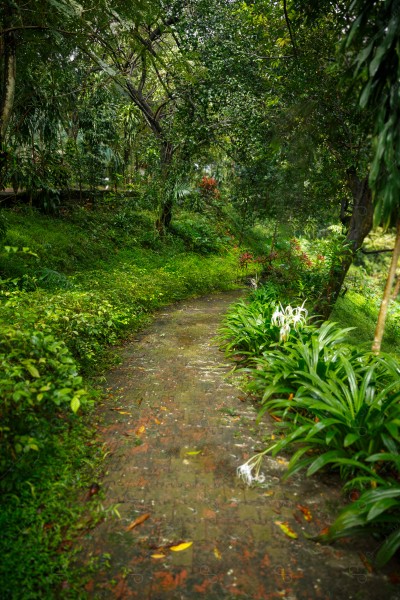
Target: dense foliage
<point x="150" y="151"/>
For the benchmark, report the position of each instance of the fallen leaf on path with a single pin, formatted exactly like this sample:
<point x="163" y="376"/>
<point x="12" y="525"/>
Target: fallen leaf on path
<point x="140" y="430"/>
<point x="366" y="562"/>
<point x="157" y="421"/>
<point x="217" y="554"/>
<point x="138" y="521"/>
<point x="181" y="547"/>
<point x="287" y="530"/>
<point x="163" y="408"/>
<point x="158" y="556"/>
<point x="193" y="452"/>
<point x="306" y="512"/>
<point x="124" y="412"/>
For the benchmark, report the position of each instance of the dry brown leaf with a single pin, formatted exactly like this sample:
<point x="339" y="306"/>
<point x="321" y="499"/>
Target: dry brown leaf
<point x="138" y="521"/>
<point x="306" y="512"/>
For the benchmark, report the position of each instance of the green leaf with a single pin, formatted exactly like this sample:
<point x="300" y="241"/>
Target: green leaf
<point x="324" y="460"/>
<point x="366" y="94"/>
<point x="350" y="439"/>
<point x="33" y="370"/>
<point x="388" y="548"/>
<point x="382" y="506"/>
<point x="75" y="404"/>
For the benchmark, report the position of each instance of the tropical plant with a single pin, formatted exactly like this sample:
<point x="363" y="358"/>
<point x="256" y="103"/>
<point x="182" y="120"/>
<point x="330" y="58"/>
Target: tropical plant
<point x="248" y="329"/>
<point x="331" y="400"/>
<point x="375" y="512"/>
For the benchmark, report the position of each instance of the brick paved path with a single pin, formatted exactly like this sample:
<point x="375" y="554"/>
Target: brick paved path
<point x="179" y="434"/>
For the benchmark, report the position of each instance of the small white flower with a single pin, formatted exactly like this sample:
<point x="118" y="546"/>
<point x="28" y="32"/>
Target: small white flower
<point x="278" y="318"/>
<point x="289" y="311"/>
<point x="245" y="471"/>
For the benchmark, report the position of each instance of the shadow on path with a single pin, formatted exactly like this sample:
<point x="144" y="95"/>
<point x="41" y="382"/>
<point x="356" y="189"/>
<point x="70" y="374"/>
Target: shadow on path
<point x="177" y="433"/>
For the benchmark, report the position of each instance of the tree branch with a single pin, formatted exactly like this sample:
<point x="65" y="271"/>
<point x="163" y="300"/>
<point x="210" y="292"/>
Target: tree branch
<point x="39" y="27"/>
<point x="289" y="26"/>
<point x="376" y="251"/>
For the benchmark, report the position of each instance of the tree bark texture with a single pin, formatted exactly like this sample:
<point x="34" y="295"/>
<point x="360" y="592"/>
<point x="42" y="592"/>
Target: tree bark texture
<point x="9" y="80"/>
<point x="380" y="326"/>
<point x="359" y="226"/>
<point x="9" y="68"/>
<point x="167" y="202"/>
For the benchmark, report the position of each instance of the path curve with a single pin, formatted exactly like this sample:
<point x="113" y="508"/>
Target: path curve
<point x="177" y="431"/>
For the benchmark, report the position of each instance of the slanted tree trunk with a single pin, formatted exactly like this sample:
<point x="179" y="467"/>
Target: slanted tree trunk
<point x="360" y="224"/>
<point x="380" y="326"/>
<point x="396" y="288"/>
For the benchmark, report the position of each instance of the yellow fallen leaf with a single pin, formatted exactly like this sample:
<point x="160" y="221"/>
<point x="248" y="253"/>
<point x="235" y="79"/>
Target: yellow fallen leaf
<point x="163" y="408"/>
<point x="158" y="556"/>
<point x="157" y="421"/>
<point x="181" y="547"/>
<point x="217" y="554"/>
<point x="141" y="430"/>
<point x="138" y="521"/>
<point x="124" y="412"/>
<point x="193" y="453"/>
<point x="306" y="512"/>
<point x="286" y="529"/>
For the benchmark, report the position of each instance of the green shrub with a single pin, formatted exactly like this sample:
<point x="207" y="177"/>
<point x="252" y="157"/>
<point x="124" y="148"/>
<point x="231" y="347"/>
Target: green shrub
<point x="247" y="329"/>
<point x="198" y="234"/>
<point x="39" y="381"/>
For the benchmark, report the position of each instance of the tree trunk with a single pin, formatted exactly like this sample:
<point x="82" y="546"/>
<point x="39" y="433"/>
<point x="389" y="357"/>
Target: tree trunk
<point x="166" y="157"/>
<point x="9" y="59"/>
<point x="9" y="78"/>
<point x="380" y="326"/>
<point x="396" y="289"/>
<point x="360" y="224"/>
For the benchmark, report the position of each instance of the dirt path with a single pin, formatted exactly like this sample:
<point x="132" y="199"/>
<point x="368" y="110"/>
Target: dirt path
<point x="176" y="441"/>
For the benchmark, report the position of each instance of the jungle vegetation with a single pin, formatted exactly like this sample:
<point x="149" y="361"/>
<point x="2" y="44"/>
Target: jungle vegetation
<point x="154" y="150"/>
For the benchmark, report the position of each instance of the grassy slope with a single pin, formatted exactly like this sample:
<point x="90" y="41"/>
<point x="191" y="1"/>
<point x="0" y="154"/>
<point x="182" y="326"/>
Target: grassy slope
<point x="93" y="277"/>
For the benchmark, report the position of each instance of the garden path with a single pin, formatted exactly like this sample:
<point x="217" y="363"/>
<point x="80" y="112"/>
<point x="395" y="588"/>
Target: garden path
<point x="177" y="430"/>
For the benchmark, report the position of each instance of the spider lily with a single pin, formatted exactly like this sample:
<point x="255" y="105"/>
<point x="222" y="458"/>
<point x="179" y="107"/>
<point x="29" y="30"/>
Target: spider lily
<point x="245" y="471"/>
<point x="286" y="317"/>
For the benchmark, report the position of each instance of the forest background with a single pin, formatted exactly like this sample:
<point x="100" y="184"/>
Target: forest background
<point x="155" y="150"/>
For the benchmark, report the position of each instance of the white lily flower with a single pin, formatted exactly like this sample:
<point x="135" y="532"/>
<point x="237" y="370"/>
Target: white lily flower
<point x="289" y="311"/>
<point x="278" y="317"/>
<point x="245" y="471"/>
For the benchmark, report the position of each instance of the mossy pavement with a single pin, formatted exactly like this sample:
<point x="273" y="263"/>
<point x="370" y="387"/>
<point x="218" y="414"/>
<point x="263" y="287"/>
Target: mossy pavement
<point x="176" y="430"/>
